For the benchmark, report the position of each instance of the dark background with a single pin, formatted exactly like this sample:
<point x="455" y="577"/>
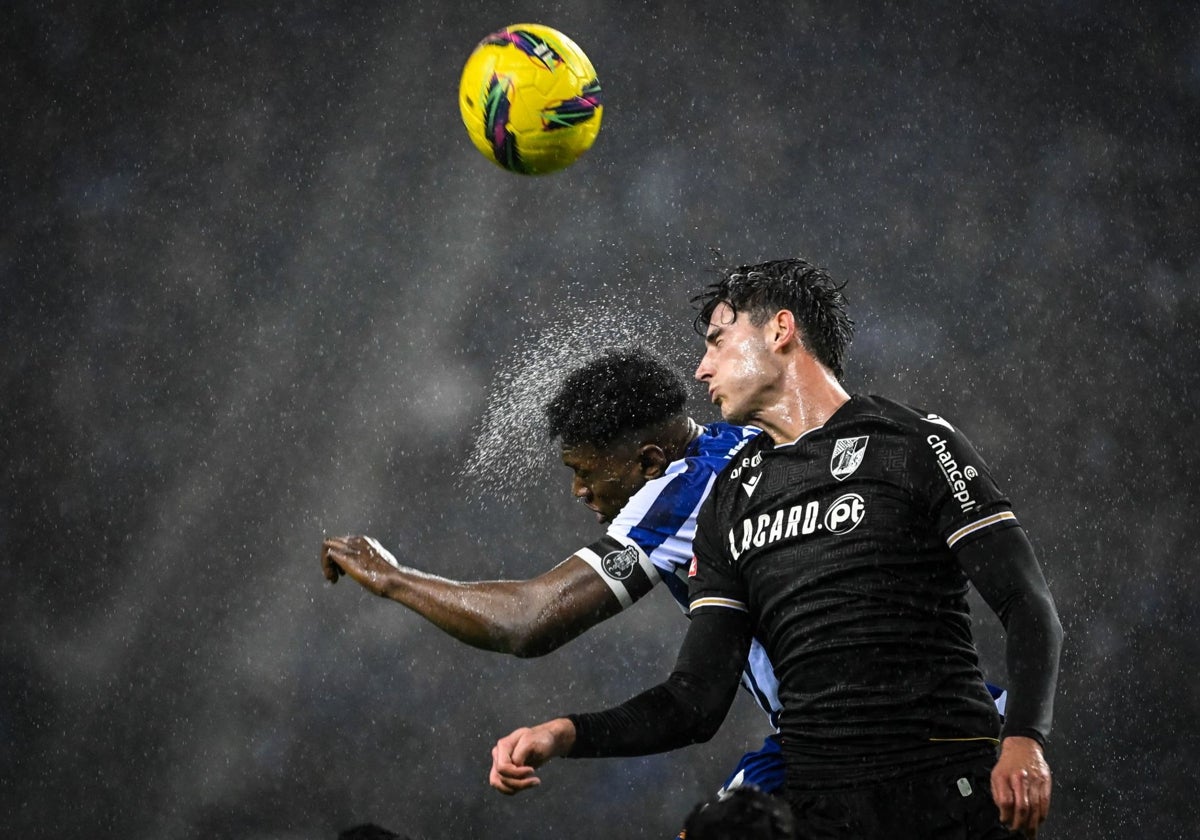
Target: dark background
<point x="258" y="287"/>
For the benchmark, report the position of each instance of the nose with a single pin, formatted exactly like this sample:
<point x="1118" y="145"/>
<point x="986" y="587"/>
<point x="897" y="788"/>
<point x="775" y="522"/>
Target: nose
<point x="580" y="490"/>
<point x="703" y="371"/>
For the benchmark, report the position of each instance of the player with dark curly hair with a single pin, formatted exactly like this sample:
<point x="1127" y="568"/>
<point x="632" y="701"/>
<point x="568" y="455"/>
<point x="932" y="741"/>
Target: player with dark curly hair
<point x="640" y="464"/>
<point x="643" y="466"/>
<point x="845" y="539"/>
<point x="619" y="391"/>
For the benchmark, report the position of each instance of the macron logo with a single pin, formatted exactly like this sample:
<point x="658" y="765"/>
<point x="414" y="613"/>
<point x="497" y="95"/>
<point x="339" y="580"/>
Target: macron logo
<point x="749" y="486"/>
<point x="933" y="418"/>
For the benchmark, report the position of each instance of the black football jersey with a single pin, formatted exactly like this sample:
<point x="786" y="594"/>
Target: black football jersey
<point x="840" y="546"/>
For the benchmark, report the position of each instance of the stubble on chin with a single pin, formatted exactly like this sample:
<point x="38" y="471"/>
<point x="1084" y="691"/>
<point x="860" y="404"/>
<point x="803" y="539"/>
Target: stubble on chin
<point x="731" y="414"/>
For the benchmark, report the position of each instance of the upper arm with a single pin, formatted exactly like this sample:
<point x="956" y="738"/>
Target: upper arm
<point x="565" y="601"/>
<point x="1004" y="569"/>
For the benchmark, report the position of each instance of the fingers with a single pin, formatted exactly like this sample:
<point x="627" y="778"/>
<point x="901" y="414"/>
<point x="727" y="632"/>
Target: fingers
<point x="387" y="556"/>
<point x="1040" y="801"/>
<point x="511" y="786"/>
<point x="329" y="566"/>
<point x="351" y="556"/>
<point x="509" y="775"/>
<point x="1018" y="783"/>
<point x="1014" y="810"/>
<point x="1023" y="799"/>
<point x="1021" y="783"/>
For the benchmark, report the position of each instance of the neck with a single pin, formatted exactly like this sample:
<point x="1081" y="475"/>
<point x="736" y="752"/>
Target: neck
<point x="677" y="435"/>
<point x="808" y="395"/>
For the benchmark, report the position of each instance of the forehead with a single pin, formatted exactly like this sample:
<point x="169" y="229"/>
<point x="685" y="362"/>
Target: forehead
<point x="585" y="456"/>
<point x="723" y="317"/>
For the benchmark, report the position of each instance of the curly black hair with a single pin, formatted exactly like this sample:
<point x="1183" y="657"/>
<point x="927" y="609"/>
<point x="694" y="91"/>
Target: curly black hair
<point x="808" y="292"/>
<point x="616" y="393"/>
<point x="745" y="812"/>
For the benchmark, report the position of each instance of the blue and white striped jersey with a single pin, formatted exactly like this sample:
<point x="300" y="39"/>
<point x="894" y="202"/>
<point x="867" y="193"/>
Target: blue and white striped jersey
<point x="651" y="540"/>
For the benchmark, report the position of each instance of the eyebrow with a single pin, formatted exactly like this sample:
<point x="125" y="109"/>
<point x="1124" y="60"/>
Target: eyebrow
<point x="712" y="335"/>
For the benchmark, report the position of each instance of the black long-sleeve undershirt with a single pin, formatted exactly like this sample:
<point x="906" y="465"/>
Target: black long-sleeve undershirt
<point x="690" y="706"/>
<point x="686" y="709"/>
<point x="1005" y="571"/>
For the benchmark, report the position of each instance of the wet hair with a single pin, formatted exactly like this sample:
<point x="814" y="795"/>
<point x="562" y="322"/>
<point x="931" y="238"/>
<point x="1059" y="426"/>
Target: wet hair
<point x="808" y="292"/>
<point x="618" y="392"/>
<point x="745" y="813"/>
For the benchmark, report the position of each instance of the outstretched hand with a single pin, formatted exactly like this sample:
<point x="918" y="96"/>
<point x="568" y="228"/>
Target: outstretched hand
<point x="361" y="558"/>
<point x="516" y="756"/>
<point x="1021" y="784"/>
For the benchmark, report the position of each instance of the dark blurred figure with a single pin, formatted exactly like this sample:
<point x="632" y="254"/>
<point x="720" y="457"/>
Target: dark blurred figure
<point x="370" y="831"/>
<point x="744" y="813"/>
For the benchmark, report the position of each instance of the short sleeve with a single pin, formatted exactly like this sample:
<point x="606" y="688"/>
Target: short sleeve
<point x="661" y="516"/>
<point x="713" y="581"/>
<point x="955" y="482"/>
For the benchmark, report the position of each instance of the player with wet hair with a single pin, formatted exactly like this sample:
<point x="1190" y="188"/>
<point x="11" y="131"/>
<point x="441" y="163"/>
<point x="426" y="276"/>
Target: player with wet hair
<point x="845" y="539"/>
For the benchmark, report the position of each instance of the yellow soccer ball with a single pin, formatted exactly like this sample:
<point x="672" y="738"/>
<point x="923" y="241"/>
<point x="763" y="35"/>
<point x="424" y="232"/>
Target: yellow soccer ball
<point x="530" y="99"/>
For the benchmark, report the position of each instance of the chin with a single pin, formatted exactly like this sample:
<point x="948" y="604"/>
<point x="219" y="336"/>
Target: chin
<point x="731" y="414"/>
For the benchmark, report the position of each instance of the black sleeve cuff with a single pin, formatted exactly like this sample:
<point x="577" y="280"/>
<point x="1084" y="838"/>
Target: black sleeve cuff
<point x="1024" y="733"/>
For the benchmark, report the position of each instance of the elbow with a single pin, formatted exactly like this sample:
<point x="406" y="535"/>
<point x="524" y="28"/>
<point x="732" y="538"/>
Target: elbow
<point x="1049" y="619"/>
<point x="519" y="632"/>
<point x="706" y="728"/>
<point x="530" y="642"/>
<point x="530" y="648"/>
<point x="705" y="715"/>
<point x="1055" y="629"/>
<point x="540" y="631"/>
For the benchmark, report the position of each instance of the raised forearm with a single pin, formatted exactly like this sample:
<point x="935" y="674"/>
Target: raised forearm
<point x="688" y="708"/>
<point x="521" y="617"/>
<point x="503" y="616"/>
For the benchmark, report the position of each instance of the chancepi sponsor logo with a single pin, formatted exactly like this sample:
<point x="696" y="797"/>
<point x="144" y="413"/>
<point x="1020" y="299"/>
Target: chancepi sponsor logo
<point x="841" y="517"/>
<point x="747" y="463"/>
<point x="618" y="565"/>
<point x="956" y="476"/>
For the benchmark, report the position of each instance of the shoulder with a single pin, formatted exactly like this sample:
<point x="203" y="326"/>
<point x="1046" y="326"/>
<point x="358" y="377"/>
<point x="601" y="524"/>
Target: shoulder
<point x="744" y="459"/>
<point x="688" y="480"/>
<point x="714" y="448"/>
<point x="667" y="503"/>
<point x="888" y="414"/>
<point x="722" y="440"/>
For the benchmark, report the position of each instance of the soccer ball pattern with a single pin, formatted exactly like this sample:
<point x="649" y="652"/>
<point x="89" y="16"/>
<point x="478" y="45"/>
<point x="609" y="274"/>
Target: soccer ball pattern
<point x="530" y="99"/>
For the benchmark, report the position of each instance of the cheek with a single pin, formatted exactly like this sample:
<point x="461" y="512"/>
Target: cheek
<point x="745" y="365"/>
<point x="617" y="491"/>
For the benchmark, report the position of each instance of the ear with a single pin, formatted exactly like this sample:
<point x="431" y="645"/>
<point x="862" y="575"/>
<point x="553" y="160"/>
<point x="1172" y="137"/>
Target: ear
<point x="652" y="460"/>
<point x="781" y="329"/>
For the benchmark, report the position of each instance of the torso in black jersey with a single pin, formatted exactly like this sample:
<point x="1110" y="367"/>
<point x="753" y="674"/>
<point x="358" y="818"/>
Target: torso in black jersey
<point x="840" y="545"/>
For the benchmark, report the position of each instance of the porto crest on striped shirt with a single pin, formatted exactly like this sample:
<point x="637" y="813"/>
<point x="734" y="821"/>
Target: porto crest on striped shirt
<point x="619" y="565"/>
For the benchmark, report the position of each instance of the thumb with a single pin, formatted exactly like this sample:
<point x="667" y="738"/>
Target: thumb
<point x="524" y="749"/>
